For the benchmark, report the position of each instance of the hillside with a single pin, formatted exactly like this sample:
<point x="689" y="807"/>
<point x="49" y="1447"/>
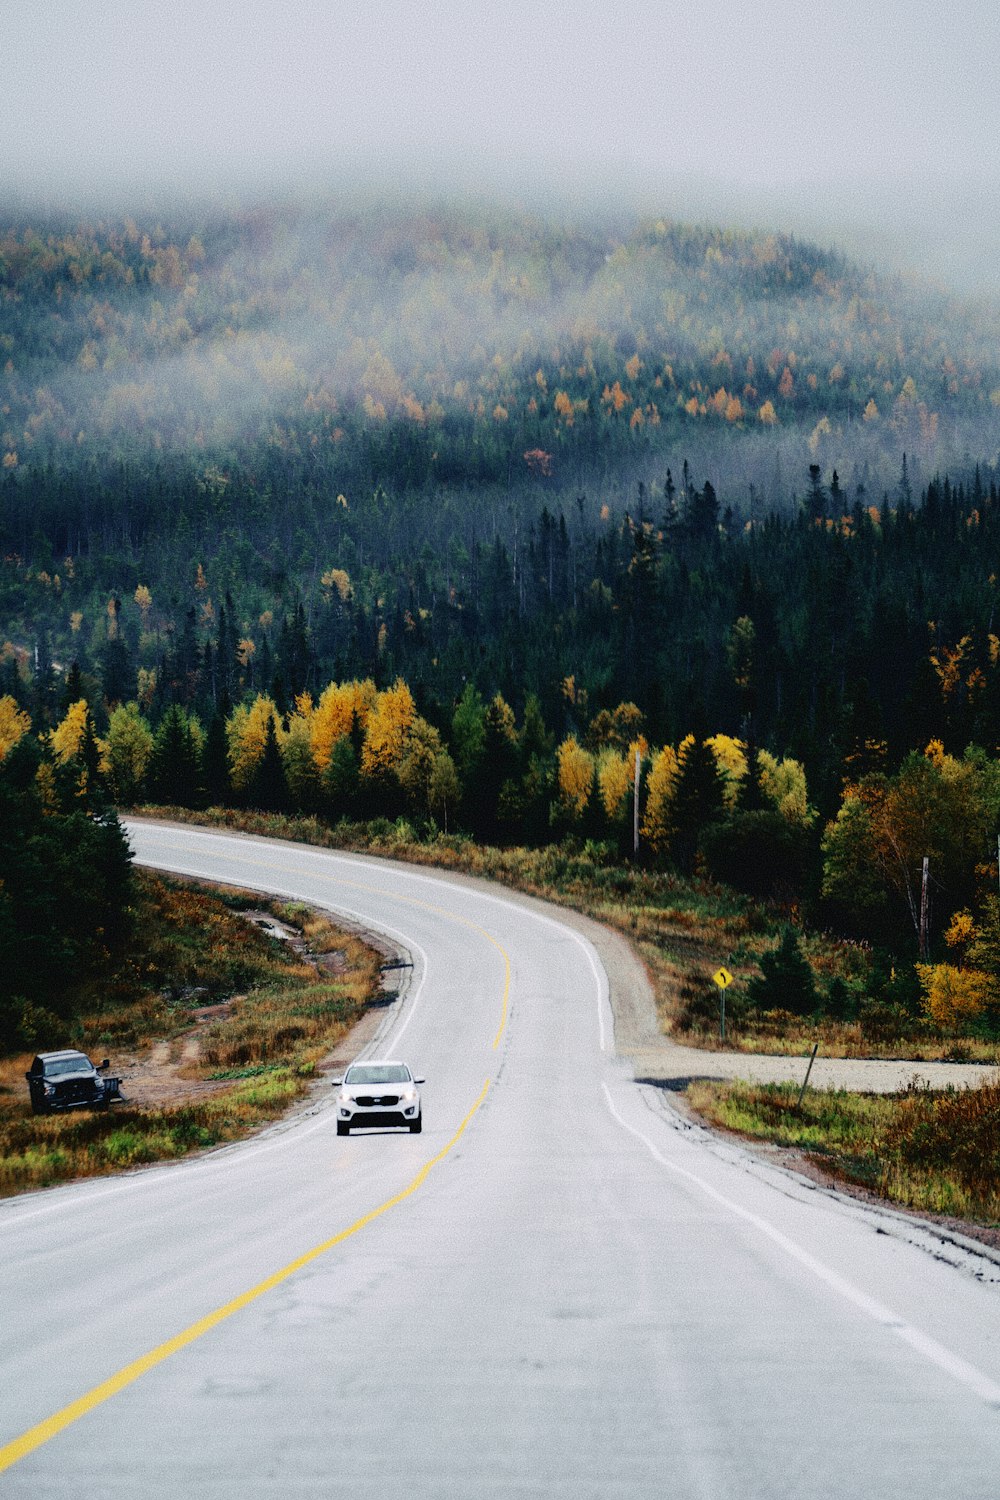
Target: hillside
<point x="335" y="349"/>
<point x="263" y="450"/>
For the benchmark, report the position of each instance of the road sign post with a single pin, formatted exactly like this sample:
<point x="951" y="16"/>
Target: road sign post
<point x="723" y="979"/>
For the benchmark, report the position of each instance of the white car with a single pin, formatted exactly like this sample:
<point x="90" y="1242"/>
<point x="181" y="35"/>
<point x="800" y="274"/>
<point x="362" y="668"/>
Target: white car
<point x="378" y="1093"/>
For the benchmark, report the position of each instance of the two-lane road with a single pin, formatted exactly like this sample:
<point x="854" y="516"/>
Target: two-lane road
<point x="556" y="1290"/>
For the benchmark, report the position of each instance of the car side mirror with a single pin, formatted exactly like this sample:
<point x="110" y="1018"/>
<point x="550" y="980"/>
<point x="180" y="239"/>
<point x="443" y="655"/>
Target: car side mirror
<point x="105" y="1064"/>
<point x="336" y="1082"/>
<point x="420" y="1080"/>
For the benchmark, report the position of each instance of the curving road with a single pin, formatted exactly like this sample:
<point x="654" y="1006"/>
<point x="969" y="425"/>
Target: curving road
<point x="559" y="1289"/>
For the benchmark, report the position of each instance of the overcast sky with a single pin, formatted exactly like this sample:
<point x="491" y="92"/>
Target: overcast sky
<point x="765" y="108"/>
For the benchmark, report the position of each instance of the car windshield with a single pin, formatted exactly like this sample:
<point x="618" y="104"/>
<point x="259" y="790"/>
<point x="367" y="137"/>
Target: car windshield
<point x="378" y="1073"/>
<point x="59" y="1065"/>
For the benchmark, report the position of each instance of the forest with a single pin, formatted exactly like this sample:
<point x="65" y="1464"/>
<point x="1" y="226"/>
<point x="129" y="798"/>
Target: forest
<point x="375" y="511"/>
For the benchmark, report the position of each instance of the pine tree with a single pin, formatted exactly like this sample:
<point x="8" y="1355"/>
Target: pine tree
<point x="786" y="980"/>
<point x="341" y="778"/>
<point x="215" y="762"/>
<point x="699" y="799"/>
<point x="268" y="788"/>
<point x="174" y="769"/>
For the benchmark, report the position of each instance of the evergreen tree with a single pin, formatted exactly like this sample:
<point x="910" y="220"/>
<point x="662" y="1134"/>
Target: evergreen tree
<point x="750" y="796"/>
<point x="215" y="762"/>
<point x="816" y="499"/>
<point x="786" y="980"/>
<point x="65" y="886"/>
<point x="341" y="779"/>
<point x="117" y="675"/>
<point x="268" y="789"/>
<point x="175" y="770"/>
<point x="699" y="798"/>
<point x="72" y="688"/>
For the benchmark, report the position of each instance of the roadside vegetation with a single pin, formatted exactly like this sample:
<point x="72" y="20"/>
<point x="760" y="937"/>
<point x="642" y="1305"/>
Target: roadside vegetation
<point x="792" y="987"/>
<point x="935" y="1151"/>
<point x="264" y="1014"/>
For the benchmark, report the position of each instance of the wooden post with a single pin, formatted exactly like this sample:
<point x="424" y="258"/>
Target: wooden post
<point x="635" y="806"/>
<point x="924" y="908"/>
<point x="802" y="1090"/>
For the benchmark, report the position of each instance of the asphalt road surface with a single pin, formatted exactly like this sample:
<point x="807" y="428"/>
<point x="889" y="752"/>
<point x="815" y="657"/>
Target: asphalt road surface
<point x="558" y="1289"/>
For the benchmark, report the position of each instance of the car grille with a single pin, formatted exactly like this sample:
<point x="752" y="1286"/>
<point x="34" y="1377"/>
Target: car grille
<point x="377" y="1101"/>
<point x="74" y="1093"/>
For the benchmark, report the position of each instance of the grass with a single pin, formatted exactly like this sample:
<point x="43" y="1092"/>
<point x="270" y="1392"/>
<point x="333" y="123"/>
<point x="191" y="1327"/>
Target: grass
<point x="286" y="1010"/>
<point x="37" y="1152"/>
<point x="683" y="928"/>
<point x="935" y="1151"/>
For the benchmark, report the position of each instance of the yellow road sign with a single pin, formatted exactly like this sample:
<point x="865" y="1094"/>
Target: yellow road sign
<point x="722" y="977"/>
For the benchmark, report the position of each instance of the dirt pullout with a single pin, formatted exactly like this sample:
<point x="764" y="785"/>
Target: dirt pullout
<point x="167" y="1073"/>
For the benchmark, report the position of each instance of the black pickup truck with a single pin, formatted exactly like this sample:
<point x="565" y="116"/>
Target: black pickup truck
<point x="69" y="1080"/>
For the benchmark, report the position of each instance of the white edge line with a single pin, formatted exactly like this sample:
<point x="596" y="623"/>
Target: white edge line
<point x="982" y="1386"/>
<point x="959" y="1369"/>
<point x="417" y="875"/>
<point x="214" y="1159"/>
<point x="249" y="1149"/>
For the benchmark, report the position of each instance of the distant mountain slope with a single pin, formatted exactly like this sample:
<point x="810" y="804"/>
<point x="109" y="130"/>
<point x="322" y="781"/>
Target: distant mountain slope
<point x="400" y="347"/>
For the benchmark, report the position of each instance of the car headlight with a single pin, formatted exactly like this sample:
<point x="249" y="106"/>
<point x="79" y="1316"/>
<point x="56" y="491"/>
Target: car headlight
<point x="48" y="1088"/>
<point x="409" y="1096"/>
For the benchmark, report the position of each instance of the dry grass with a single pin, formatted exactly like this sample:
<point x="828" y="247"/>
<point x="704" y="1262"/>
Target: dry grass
<point x="930" y="1150"/>
<point x="252" y="1062"/>
<point x="684" y="929"/>
<point x="37" y="1152"/>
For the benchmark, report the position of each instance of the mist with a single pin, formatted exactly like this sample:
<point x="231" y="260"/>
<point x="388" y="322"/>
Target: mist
<point x="861" y="127"/>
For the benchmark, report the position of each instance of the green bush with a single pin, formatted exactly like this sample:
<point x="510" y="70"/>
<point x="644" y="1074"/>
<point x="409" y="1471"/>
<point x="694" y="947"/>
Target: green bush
<point x="785" y="981"/>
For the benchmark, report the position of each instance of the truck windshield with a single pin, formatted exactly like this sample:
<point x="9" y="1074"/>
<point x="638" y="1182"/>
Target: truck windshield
<point x="67" y="1065"/>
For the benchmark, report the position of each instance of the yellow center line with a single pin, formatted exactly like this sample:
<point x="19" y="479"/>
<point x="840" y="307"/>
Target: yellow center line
<point x="36" y="1436"/>
<point x="372" y="890"/>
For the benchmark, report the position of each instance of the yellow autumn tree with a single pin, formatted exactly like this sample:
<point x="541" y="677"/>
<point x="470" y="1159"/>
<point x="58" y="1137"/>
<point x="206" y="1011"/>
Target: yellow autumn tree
<point x="67" y="737"/>
<point x="295" y="745"/>
<point x="730" y="757"/>
<point x="660" y="787"/>
<point x="563" y="407"/>
<point x="127" y="753"/>
<point x="387" y="730"/>
<point x="951" y="996"/>
<point x="334" y="716"/>
<point x="419" y="764"/>
<point x="338" y="580"/>
<point x="574" y="777"/>
<point x="783" y="782"/>
<point x="14" y="724"/>
<point x="614" y="781"/>
<point x="246" y="734"/>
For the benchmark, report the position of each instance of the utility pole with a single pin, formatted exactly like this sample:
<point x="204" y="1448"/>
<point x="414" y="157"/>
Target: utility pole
<point x="635" y="806"/>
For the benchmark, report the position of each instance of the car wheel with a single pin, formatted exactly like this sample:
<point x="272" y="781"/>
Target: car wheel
<point x="38" y="1108"/>
<point x="343" y="1127"/>
<point x="417" y="1125"/>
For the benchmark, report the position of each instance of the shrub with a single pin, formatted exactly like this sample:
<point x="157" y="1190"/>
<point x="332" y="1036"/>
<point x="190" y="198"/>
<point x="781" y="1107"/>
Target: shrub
<point x="786" y="979"/>
<point x="954" y="997"/>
